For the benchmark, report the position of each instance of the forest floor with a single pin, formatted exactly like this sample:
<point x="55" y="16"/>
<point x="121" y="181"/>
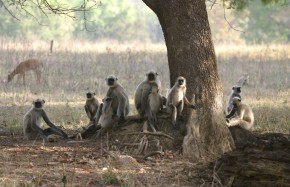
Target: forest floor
<point x="93" y="163"/>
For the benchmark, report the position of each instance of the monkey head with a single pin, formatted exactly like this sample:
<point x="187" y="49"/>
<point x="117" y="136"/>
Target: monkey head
<point x="236" y="89"/>
<point x="154" y="88"/>
<point x="236" y="101"/>
<point x="90" y="95"/>
<point x="180" y="81"/>
<point x="38" y="103"/>
<point x="151" y="76"/>
<point x="111" y="80"/>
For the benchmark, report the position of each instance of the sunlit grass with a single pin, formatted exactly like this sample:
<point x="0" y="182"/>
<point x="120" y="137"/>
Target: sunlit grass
<point x="75" y="67"/>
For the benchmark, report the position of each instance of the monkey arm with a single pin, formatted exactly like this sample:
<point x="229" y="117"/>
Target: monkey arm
<point x="144" y="101"/>
<point x="110" y="91"/>
<point x="34" y="126"/>
<point x="187" y="103"/>
<point x="122" y="106"/>
<point x="98" y="115"/>
<point x="52" y="126"/>
<point x="88" y="112"/>
<point x="232" y="112"/>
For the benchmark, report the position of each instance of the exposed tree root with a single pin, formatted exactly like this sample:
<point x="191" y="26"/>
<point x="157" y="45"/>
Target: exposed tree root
<point x="160" y="134"/>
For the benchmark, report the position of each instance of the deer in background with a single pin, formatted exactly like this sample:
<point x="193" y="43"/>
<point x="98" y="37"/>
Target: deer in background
<point x="27" y="65"/>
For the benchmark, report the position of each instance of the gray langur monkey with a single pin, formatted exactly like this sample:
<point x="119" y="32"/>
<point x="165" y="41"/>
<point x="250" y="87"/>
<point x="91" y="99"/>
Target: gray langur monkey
<point x="107" y="117"/>
<point x="120" y="103"/>
<point x="142" y="92"/>
<point x="236" y="90"/>
<point x="92" y="105"/>
<point x="155" y="104"/>
<point x="244" y="115"/>
<point x="176" y="99"/>
<point x="32" y="122"/>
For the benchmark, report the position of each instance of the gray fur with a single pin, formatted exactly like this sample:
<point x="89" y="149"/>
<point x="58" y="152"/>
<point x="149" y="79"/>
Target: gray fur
<point x="142" y="91"/>
<point x="32" y="122"/>
<point x="244" y="115"/>
<point x="91" y="106"/>
<point x="120" y="104"/>
<point x="176" y="99"/>
<point x="236" y="90"/>
<point x="155" y="103"/>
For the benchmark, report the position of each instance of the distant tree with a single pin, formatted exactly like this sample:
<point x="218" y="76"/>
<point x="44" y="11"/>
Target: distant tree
<point x="268" y="23"/>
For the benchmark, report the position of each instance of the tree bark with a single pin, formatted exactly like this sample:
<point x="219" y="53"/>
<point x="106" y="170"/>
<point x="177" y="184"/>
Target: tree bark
<point x="191" y="54"/>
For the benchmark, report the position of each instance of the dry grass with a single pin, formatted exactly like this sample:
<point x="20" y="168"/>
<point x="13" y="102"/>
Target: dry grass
<point x="75" y="67"/>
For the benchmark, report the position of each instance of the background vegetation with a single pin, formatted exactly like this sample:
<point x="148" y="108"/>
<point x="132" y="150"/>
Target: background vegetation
<point x="74" y="68"/>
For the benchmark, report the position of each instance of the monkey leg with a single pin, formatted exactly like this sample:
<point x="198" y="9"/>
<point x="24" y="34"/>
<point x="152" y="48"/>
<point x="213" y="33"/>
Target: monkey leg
<point x="145" y="126"/>
<point x="174" y="116"/>
<point x="48" y="131"/>
<point x="180" y="107"/>
<point x="90" y="131"/>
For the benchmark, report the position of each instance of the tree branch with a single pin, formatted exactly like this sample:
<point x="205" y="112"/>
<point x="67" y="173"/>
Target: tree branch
<point x="225" y="17"/>
<point x="5" y="7"/>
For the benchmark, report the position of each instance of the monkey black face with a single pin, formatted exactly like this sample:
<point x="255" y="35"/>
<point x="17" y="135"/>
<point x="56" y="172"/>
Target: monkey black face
<point x="181" y="81"/>
<point x="151" y="76"/>
<point x="110" y="81"/>
<point x="38" y="103"/>
<point x="90" y="95"/>
<point x="236" y="89"/>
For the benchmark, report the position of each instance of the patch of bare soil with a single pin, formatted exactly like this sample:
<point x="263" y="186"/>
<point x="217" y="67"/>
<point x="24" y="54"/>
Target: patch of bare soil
<point x="126" y="157"/>
<point x="115" y="160"/>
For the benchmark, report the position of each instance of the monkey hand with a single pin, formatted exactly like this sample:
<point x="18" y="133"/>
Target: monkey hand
<point x="194" y="107"/>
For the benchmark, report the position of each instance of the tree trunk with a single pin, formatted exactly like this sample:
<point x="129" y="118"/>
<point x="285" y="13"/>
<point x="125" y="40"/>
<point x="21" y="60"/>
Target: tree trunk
<point x="191" y="54"/>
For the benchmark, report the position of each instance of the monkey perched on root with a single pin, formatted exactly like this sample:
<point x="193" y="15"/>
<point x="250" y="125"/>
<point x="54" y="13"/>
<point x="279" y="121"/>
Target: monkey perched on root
<point x="154" y="105"/>
<point x="244" y="115"/>
<point x="103" y="121"/>
<point x="236" y="90"/>
<point x="120" y="103"/>
<point x="176" y="99"/>
<point x="91" y="106"/>
<point x="107" y="117"/>
<point x="32" y="122"/>
<point x="142" y="91"/>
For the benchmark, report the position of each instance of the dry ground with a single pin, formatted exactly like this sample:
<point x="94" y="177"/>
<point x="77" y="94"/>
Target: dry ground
<point x="91" y="163"/>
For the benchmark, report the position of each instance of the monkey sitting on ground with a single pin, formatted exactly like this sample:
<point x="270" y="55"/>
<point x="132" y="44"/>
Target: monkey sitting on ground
<point x="244" y="115"/>
<point x="236" y="90"/>
<point x="107" y="117"/>
<point x="176" y="99"/>
<point x="120" y="103"/>
<point x="155" y="104"/>
<point x="91" y="106"/>
<point x="32" y="122"/>
<point x="103" y="121"/>
<point x="142" y="92"/>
